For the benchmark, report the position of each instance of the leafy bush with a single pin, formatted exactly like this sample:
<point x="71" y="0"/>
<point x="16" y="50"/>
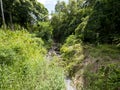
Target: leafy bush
<point x="106" y="78"/>
<point x="23" y="65"/>
<point x="72" y="54"/>
<point x="102" y="71"/>
<point x="44" y="31"/>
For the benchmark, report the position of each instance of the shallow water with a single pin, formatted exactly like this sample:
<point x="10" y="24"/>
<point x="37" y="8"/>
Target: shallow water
<point x="68" y="83"/>
<point x="49" y="57"/>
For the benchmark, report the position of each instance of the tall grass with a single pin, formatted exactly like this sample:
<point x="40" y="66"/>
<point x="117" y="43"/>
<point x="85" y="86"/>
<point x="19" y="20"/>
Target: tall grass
<point x="23" y="65"/>
<point x="103" y="73"/>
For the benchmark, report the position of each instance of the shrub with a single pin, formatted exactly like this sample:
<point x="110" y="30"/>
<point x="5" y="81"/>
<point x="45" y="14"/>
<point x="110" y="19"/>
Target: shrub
<point x="23" y="65"/>
<point x="102" y="71"/>
<point x="44" y="31"/>
<point x="106" y="78"/>
<point x="72" y="54"/>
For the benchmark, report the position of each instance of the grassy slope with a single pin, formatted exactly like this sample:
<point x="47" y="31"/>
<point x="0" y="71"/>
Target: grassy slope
<point x="23" y="65"/>
<point x="91" y="67"/>
<point x="100" y="69"/>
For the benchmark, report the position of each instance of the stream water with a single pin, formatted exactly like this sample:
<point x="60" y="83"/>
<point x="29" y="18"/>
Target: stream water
<point x="68" y="83"/>
<point x="54" y="51"/>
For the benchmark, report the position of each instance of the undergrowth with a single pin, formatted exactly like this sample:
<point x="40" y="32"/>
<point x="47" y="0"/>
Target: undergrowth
<point x="103" y="73"/>
<point x="72" y="54"/>
<point x="23" y="65"/>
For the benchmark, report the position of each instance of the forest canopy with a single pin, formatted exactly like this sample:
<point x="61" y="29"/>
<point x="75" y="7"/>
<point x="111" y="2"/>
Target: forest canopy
<point x="92" y="20"/>
<point x="23" y="12"/>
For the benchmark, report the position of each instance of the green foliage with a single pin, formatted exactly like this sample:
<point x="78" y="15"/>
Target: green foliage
<point x="106" y="78"/>
<point x="80" y="30"/>
<point x="94" y="21"/>
<point x="23" y="65"/>
<point x="44" y="31"/>
<point x="72" y="54"/>
<point x="63" y="21"/>
<point x="103" y="20"/>
<point x="23" y="12"/>
<point x="102" y="71"/>
<point x="104" y="51"/>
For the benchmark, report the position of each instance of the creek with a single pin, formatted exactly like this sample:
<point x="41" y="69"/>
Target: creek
<point x="54" y="51"/>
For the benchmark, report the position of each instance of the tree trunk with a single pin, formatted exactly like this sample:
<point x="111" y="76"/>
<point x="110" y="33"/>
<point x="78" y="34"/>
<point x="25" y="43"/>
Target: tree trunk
<point x="11" y="21"/>
<point x="3" y="18"/>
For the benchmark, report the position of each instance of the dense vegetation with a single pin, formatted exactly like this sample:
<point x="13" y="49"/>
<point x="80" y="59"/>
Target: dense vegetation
<point x="90" y="20"/>
<point x="23" y="12"/>
<point x="103" y="68"/>
<point x="23" y="65"/>
<point x="89" y="31"/>
<point x="88" y="38"/>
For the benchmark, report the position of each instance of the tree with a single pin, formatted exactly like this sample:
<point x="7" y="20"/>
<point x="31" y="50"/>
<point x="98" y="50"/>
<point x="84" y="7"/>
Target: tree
<point x="94" y="20"/>
<point x="104" y="19"/>
<point x="23" y="12"/>
<point x="3" y="18"/>
<point x="65" y="19"/>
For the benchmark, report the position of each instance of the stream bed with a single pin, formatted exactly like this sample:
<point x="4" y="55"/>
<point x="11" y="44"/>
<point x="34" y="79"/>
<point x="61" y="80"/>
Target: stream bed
<point x="68" y="84"/>
<point x="53" y="51"/>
